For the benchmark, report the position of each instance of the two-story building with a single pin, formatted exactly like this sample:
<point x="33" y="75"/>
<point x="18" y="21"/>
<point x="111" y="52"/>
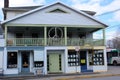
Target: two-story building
<point x="56" y="38"/>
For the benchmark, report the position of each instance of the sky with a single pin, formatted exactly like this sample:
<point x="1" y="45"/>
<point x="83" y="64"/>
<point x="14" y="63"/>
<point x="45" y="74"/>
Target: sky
<point x="107" y="11"/>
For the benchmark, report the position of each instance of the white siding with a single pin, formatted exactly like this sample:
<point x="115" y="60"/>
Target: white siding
<point x="99" y="68"/>
<point x="11" y="14"/>
<point x="44" y="17"/>
<point x="75" y="69"/>
<point x="11" y="71"/>
<point x="38" y="55"/>
<point x="2" y="42"/>
<point x="1" y="59"/>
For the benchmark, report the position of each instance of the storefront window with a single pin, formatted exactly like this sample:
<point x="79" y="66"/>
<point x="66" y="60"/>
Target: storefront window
<point x="90" y="59"/>
<point x="38" y="59"/>
<point x="12" y="60"/>
<point x="98" y="58"/>
<point x="73" y="59"/>
<point x="38" y="63"/>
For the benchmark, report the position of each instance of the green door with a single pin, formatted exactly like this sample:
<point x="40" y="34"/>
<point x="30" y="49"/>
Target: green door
<point x="54" y="63"/>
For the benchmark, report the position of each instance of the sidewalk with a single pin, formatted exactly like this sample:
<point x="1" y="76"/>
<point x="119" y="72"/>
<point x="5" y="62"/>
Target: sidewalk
<point x="112" y="71"/>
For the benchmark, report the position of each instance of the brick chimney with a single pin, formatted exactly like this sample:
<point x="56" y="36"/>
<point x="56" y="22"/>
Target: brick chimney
<point x="6" y="3"/>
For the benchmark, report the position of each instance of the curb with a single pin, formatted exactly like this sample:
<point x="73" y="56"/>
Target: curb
<point x="43" y="76"/>
<point x="72" y="77"/>
<point x="88" y="76"/>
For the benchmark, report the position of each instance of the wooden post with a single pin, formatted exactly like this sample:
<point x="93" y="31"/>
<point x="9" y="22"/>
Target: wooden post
<point x="5" y="35"/>
<point x="45" y="35"/>
<point x="65" y="35"/>
<point x="104" y="37"/>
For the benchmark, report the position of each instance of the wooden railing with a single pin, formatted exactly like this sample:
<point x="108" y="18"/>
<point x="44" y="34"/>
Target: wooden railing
<point x="25" y="42"/>
<point x="85" y="42"/>
<point x="54" y="42"/>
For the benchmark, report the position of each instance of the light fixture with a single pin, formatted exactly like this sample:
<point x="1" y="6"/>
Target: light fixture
<point x="12" y="54"/>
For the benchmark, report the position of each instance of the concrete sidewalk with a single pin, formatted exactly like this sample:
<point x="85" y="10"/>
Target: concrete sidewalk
<point x="112" y="71"/>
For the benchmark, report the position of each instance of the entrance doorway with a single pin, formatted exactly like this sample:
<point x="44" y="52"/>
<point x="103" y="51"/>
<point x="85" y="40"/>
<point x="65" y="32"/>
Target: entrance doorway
<point x="25" y="61"/>
<point x="54" y="63"/>
<point x="83" y="61"/>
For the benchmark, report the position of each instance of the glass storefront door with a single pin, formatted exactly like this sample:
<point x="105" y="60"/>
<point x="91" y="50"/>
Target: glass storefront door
<point x="25" y="62"/>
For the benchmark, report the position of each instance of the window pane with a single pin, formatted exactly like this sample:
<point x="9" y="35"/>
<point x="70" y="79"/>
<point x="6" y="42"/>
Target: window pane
<point x="98" y="58"/>
<point x="73" y="58"/>
<point x="38" y="58"/>
<point x="12" y="60"/>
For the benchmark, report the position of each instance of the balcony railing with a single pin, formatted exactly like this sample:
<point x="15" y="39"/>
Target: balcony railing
<point x="85" y="42"/>
<point x="25" y="42"/>
<point x="54" y="42"/>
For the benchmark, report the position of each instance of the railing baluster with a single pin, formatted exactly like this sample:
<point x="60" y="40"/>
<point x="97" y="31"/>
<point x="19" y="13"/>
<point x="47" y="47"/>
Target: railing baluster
<point x="53" y="42"/>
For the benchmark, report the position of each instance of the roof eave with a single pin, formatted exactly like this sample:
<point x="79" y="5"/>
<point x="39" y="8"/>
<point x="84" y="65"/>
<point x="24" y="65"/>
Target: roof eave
<point x="40" y="8"/>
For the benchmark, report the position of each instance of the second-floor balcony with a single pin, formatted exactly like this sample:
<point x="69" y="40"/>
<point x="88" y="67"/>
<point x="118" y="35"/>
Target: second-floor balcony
<point x="54" y="42"/>
<point x="52" y="36"/>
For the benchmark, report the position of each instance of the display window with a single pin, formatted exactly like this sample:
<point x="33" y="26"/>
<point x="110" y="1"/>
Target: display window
<point x="38" y="63"/>
<point x="38" y="59"/>
<point x="73" y="58"/>
<point x="96" y="57"/>
<point x="12" y="60"/>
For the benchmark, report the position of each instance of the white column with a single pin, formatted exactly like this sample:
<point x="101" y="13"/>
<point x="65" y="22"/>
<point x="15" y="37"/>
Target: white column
<point x="104" y="37"/>
<point x="19" y="61"/>
<point x="5" y="35"/>
<point x="45" y="35"/>
<point x="87" y="58"/>
<point x="45" y="61"/>
<point x="5" y="59"/>
<point x="66" y="60"/>
<point x="65" y="35"/>
<point x="31" y="62"/>
<point x="105" y="58"/>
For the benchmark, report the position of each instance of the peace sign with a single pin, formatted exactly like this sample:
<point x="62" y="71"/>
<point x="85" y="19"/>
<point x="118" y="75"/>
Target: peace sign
<point x="55" y="32"/>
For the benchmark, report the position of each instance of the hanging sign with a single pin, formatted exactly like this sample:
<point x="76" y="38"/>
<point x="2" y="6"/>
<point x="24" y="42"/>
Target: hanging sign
<point x="77" y="48"/>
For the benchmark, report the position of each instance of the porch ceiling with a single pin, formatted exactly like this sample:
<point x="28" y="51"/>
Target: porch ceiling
<point x="69" y="29"/>
<point x="83" y="30"/>
<point x="15" y="29"/>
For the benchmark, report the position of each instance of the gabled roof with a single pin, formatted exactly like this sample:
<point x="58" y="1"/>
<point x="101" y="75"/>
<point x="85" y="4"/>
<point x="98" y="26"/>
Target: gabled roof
<point x="24" y="8"/>
<point x="41" y="8"/>
<point x="92" y="13"/>
<point x="28" y="8"/>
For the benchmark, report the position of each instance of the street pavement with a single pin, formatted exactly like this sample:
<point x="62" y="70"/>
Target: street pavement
<point x="102" y="78"/>
<point x="112" y="71"/>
